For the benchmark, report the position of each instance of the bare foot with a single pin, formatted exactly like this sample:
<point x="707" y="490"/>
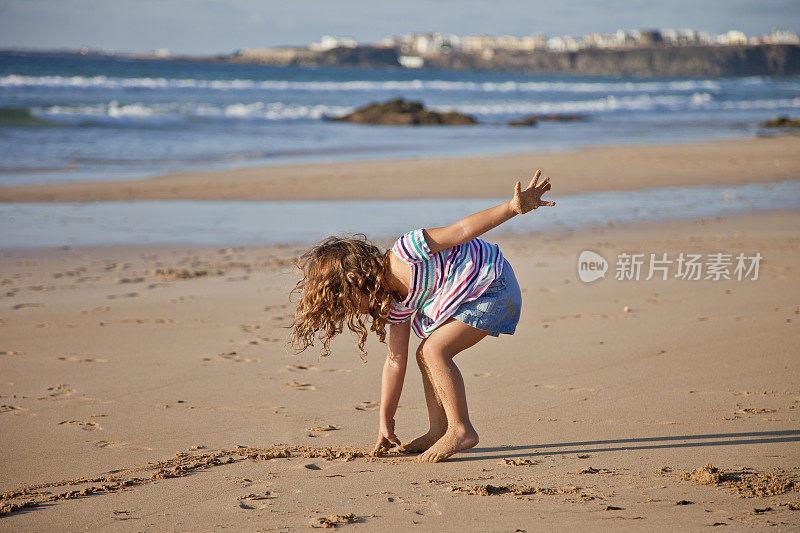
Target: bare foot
<point x="452" y="442"/>
<point x="420" y="444"/>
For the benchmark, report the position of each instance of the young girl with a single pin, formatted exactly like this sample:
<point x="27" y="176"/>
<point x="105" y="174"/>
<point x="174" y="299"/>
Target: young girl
<point x="451" y="288"/>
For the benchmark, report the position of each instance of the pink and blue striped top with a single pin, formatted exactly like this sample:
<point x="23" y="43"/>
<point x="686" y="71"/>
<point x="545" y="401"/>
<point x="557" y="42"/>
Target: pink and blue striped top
<point x="442" y="281"/>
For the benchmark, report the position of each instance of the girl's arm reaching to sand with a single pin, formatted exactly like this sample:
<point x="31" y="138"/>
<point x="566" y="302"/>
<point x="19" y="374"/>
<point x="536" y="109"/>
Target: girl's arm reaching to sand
<point x="394" y="372"/>
<point x="473" y="226"/>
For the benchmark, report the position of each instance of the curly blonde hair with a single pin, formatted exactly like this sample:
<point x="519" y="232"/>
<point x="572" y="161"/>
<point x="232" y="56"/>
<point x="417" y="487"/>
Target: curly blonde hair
<point x="337" y="274"/>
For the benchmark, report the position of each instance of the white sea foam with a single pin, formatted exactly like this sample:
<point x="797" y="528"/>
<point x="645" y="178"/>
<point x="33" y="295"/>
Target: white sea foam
<point x="644" y="102"/>
<point x="113" y="111"/>
<point x="107" y="82"/>
<point x="138" y="112"/>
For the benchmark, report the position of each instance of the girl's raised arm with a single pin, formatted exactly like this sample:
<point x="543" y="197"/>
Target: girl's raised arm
<point x="473" y="226"/>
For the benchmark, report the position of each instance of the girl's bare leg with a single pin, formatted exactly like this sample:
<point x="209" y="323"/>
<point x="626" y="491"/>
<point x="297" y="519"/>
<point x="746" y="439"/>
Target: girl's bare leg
<point x="450" y="339"/>
<point x="436" y="413"/>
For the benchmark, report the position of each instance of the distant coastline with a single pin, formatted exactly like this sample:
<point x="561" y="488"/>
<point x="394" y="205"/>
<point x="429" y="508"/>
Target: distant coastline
<point x="654" y="61"/>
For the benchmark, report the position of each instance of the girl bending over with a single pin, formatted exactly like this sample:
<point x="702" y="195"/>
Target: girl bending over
<point x="445" y="284"/>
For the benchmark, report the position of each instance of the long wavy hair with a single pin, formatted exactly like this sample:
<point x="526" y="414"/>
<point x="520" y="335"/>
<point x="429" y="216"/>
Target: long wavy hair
<point x="337" y="274"/>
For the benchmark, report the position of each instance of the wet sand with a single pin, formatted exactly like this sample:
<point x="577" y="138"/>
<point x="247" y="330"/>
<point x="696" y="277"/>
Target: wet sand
<point x="591" y="169"/>
<point x="149" y="388"/>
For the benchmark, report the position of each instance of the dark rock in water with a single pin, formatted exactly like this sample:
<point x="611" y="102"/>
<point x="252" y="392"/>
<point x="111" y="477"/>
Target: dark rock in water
<point x="555" y="117"/>
<point x="527" y="121"/>
<point x="399" y="112"/>
<point x="781" y="122"/>
<point x="531" y="120"/>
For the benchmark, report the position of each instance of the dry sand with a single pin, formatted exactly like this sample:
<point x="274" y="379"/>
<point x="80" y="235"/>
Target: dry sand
<point x="156" y="378"/>
<point x="591" y="169"/>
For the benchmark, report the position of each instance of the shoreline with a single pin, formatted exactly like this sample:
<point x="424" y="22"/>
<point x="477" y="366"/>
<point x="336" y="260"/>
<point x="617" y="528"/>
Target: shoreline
<point x="280" y="250"/>
<point x="596" y="168"/>
<point x="226" y="223"/>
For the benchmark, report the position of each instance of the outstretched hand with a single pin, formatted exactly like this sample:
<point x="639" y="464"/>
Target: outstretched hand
<point x="530" y="198"/>
<point x="386" y="439"/>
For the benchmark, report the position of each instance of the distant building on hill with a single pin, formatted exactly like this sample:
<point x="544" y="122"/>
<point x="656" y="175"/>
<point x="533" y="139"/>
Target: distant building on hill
<point x="649" y="37"/>
<point x="329" y="42"/>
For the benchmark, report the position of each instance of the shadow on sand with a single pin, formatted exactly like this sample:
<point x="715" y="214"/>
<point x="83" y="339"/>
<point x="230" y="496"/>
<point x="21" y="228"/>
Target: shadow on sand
<point x="634" y="443"/>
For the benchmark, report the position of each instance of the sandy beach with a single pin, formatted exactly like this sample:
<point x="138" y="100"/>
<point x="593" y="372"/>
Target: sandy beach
<point x="763" y="159"/>
<point x="149" y="388"/>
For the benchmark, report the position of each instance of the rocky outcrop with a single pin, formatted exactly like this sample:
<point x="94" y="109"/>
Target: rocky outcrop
<point x="677" y="61"/>
<point x="399" y="112"/>
<point x="781" y="122"/>
<point x="532" y="120"/>
<point x="527" y="121"/>
<point x="360" y="56"/>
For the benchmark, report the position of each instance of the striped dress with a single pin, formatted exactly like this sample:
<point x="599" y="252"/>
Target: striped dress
<point x="442" y="281"/>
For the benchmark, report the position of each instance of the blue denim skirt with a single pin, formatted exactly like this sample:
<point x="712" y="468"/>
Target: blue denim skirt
<point x="497" y="309"/>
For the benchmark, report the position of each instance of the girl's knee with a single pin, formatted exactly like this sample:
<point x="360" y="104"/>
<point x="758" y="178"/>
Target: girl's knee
<point x="420" y="357"/>
<point x="428" y="352"/>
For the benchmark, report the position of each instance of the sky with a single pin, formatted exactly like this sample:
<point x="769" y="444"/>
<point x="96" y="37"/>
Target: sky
<point x="207" y="27"/>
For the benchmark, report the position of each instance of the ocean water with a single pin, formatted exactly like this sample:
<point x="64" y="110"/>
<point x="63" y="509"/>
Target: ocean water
<point x="66" y="117"/>
<point x="228" y="223"/>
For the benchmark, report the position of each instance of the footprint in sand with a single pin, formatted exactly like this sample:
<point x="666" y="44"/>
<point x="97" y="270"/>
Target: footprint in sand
<point x="86" y="426"/>
<point x="127" y="321"/>
<point x="300" y="368"/>
<point x="261" y="340"/>
<point x="299" y="385"/>
<point x="232" y="356"/>
<point x="11" y="409"/>
<point x="565" y="389"/>
<point x="367" y="406"/>
<point x="26" y="306"/>
<point x="124" y="514"/>
<point x="126" y="295"/>
<point x="753" y="411"/>
<point x="485" y="374"/>
<point x="99" y="309"/>
<point x="85" y="360"/>
<point x="57" y="391"/>
<point x="109" y="444"/>
<point x="249" y="328"/>
<point x="256" y="501"/>
<point x="519" y="462"/>
<point x="11" y="352"/>
<point x="328" y="427"/>
<point x="129" y="280"/>
<point x="592" y="470"/>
